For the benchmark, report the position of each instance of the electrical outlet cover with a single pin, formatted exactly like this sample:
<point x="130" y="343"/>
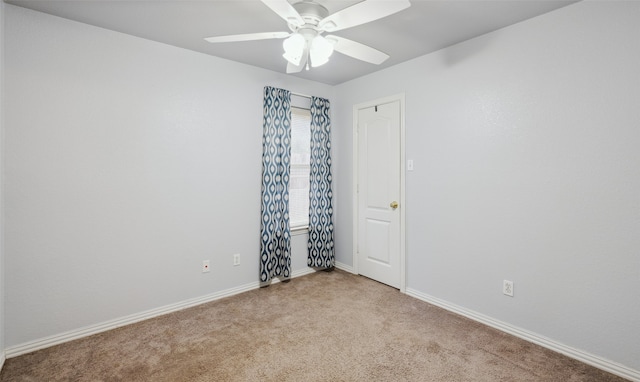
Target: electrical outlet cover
<point x="507" y="288"/>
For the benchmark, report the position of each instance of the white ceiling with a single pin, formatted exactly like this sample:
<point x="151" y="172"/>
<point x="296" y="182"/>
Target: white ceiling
<point x="426" y="26"/>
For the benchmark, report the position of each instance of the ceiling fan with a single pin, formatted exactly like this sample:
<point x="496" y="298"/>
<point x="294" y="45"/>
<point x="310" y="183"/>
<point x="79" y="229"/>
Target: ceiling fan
<point x="308" y="20"/>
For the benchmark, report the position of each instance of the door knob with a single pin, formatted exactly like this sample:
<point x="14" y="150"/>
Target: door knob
<point x="394" y="205"/>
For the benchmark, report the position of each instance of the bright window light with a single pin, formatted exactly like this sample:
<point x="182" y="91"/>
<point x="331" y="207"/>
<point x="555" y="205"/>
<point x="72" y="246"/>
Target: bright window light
<point x="299" y="180"/>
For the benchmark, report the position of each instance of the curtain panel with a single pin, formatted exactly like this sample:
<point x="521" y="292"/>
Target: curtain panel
<point x="320" y="244"/>
<point x="275" y="238"/>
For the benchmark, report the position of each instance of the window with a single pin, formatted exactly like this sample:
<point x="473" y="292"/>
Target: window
<point x="299" y="180"/>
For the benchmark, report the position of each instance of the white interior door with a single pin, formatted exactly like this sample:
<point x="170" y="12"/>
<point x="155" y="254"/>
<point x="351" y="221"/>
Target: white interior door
<point x="379" y="192"/>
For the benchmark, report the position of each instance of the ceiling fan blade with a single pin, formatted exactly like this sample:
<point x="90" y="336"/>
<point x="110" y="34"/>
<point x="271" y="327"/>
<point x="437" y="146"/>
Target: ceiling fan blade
<point x="248" y="37"/>
<point x="291" y="68"/>
<point x="285" y="10"/>
<point x="357" y="50"/>
<point x="361" y="13"/>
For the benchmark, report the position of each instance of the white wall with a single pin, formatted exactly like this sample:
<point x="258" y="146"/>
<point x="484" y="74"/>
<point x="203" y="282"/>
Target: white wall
<point x="526" y="150"/>
<point x="127" y="163"/>
<point x="1" y="184"/>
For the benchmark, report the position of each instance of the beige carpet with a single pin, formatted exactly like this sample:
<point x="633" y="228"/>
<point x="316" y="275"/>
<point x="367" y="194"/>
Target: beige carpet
<point x="321" y="327"/>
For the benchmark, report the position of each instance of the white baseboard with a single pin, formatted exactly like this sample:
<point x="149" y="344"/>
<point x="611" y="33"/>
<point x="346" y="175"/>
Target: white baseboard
<point x="2" y="359"/>
<point x="86" y="331"/>
<point x="582" y="356"/>
<point x="345" y="267"/>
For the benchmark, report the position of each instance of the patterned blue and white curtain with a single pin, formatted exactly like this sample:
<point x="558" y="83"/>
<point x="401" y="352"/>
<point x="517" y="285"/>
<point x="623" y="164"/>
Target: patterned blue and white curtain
<point x="320" y="244"/>
<point x="275" y="238"/>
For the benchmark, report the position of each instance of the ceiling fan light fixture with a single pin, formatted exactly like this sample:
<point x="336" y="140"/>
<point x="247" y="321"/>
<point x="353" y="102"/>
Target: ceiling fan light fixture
<point x="320" y="51"/>
<point x="293" y="58"/>
<point x="294" y="48"/>
<point x="305" y="46"/>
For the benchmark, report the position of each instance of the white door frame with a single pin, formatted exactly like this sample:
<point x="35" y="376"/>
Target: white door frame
<point x="403" y="236"/>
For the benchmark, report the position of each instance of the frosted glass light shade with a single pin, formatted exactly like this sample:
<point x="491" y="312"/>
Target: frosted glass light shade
<point x="320" y="51"/>
<point x="294" y="48"/>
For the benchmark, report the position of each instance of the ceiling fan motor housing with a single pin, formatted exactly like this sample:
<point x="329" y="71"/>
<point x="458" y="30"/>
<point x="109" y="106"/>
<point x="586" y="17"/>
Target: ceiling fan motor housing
<point x="311" y="12"/>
